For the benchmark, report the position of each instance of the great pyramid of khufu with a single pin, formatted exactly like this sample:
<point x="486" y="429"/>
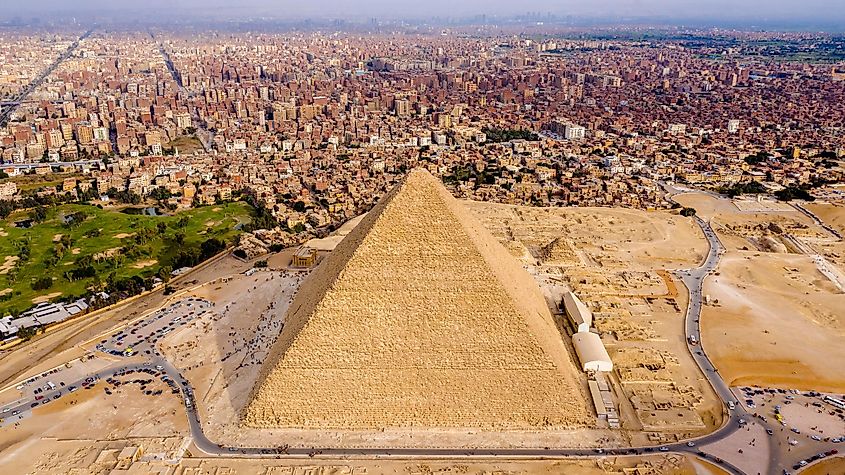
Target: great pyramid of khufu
<point x="419" y="318"/>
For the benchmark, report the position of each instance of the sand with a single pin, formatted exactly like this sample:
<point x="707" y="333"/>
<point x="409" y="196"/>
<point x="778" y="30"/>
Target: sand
<point x="778" y="323"/>
<point x="612" y="237"/>
<point x="144" y="264"/>
<point x="619" y="261"/>
<point x="8" y="264"/>
<point x="831" y="466"/>
<point x="779" y="320"/>
<point x="46" y="298"/>
<point x="70" y="433"/>
<point x="389" y="331"/>
<point x="830" y="214"/>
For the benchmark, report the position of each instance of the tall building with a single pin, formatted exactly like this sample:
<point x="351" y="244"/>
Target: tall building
<point x="84" y="133"/>
<point x="402" y="107"/>
<point x="733" y="126"/>
<point x="573" y="132"/>
<point x="183" y="120"/>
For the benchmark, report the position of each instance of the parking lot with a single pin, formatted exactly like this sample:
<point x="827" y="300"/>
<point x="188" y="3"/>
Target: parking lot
<point x="807" y="424"/>
<point x="140" y="337"/>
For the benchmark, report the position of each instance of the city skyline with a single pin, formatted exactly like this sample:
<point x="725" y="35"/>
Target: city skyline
<point x="830" y="13"/>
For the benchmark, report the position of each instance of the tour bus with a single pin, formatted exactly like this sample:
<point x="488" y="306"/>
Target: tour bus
<point x="834" y="402"/>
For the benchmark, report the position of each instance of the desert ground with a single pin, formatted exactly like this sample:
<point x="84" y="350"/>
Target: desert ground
<point x="775" y="317"/>
<point x="775" y="321"/>
<point x="619" y="262"/>
<point x="832" y="466"/>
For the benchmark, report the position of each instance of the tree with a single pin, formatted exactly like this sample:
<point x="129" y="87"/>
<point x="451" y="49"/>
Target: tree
<point x="261" y="263"/>
<point x="164" y="273"/>
<point x="188" y="257"/>
<point x="210" y="247"/>
<point x="39" y="214"/>
<point x="42" y="283"/>
<point x="794" y="193"/>
<point x="6" y="208"/>
<point x="27" y="333"/>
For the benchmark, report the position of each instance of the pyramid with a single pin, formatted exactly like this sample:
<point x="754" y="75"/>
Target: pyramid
<point x="418" y="318"/>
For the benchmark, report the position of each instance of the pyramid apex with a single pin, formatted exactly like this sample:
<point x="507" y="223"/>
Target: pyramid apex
<point x="420" y="173"/>
<point x="418" y="318"/>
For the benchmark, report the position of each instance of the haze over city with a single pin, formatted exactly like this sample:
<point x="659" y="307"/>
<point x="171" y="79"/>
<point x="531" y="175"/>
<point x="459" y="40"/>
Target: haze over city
<point x="751" y="13"/>
<point x="480" y="237"/>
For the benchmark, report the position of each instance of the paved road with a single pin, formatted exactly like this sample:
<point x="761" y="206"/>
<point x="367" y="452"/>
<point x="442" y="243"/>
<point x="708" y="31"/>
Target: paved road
<point x="781" y="458"/>
<point x="13" y="103"/>
<point x="816" y="219"/>
<point x="205" y="137"/>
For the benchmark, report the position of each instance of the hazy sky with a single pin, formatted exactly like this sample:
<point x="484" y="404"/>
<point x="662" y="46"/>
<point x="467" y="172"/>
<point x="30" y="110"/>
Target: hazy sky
<point x="747" y="10"/>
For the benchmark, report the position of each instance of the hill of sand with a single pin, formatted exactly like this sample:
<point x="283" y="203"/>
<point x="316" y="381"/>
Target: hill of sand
<point x="419" y="318"/>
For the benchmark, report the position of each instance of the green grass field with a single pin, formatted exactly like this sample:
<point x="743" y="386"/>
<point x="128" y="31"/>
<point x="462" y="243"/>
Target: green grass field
<point x="115" y="242"/>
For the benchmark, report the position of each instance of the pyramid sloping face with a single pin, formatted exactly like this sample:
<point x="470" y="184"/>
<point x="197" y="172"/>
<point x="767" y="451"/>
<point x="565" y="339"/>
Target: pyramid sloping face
<point x="418" y="318"/>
